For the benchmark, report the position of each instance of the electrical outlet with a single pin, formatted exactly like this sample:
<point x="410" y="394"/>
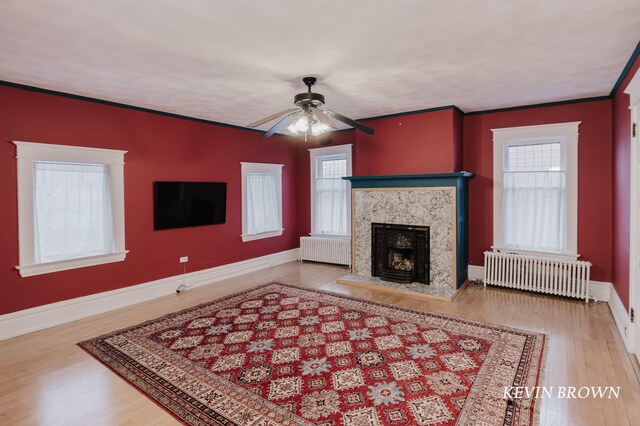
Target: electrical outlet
<point x="184" y="259"/>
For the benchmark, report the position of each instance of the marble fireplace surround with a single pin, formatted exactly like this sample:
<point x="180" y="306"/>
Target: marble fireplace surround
<point x="432" y="207"/>
<point x="437" y="201"/>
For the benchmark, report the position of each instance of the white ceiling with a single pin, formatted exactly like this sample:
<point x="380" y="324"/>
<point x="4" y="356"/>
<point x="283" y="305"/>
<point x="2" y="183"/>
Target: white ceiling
<point x="237" y="61"/>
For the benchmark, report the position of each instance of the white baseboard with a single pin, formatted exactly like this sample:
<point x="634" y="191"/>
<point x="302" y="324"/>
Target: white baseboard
<point x="475" y="273"/>
<point x="621" y="317"/>
<point x="599" y="290"/>
<point x="41" y="317"/>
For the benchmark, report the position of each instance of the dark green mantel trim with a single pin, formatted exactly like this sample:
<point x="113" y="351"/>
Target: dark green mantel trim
<point x="457" y="179"/>
<point x="414" y="176"/>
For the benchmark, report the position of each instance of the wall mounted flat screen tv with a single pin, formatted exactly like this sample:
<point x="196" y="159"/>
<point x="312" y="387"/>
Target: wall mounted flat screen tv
<point x="186" y="204"/>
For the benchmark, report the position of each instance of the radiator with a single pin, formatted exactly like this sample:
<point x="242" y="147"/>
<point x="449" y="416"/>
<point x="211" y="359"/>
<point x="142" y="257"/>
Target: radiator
<point x="327" y="250"/>
<point x="541" y="274"/>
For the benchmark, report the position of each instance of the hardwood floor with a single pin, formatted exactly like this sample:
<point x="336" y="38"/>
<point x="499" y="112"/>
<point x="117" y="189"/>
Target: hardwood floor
<point x="45" y="379"/>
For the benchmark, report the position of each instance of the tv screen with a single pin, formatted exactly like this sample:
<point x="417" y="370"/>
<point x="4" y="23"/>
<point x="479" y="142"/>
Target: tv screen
<point x="185" y="204"/>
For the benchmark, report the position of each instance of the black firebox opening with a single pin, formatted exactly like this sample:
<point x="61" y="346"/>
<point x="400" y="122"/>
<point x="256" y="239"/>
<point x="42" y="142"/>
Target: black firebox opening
<point x="400" y="253"/>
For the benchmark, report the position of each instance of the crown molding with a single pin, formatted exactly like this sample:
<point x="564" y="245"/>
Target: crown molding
<point x="541" y="105"/>
<point x="626" y="70"/>
<point x="417" y="111"/>
<point x="623" y="75"/>
<point x="121" y="105"/>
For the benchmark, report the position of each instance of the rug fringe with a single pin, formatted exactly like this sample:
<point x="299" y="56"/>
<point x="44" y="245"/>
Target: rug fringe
<point x="542" y="378"/>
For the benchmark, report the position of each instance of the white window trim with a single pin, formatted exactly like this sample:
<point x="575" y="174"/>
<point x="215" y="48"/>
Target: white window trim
<point x="633" y="336"/>
<point x="328" y="152"/>
<point x="568" y="134"/>
<point x="27" y="154"/>
<point x="247" y="168"/>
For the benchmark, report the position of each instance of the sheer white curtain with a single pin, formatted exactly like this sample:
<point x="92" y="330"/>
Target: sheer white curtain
<point x="72" y="211"/>
<point x="262" y="209"/>
<point x="534" y="210"/>
<point x="330" y="195"/>
<point x="331" y="206"/>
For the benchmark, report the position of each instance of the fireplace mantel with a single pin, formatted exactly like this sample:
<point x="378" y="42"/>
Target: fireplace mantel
<point x="451" y="183"/>
<point x="407" y="181"/>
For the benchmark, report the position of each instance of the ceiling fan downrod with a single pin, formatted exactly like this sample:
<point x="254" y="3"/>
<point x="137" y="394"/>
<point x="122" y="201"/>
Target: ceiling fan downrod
<point x="309" y="81"/>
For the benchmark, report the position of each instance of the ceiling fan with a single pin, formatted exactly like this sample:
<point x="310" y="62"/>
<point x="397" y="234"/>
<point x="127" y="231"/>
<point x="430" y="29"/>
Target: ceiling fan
<point x="308" y="118"/>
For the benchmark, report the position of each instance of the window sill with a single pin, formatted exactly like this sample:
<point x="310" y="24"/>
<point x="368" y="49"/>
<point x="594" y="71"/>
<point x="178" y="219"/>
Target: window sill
<point x="337" y="237"/>
<point x="252" y="237"/>
<point x="549" y="254"/>
<point x="63" y="265"/>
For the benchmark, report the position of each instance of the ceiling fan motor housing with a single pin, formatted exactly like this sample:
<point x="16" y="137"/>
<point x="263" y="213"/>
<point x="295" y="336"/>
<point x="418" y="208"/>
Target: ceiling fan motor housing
<point x="309" y="98"/>
<point x="315" y="99"/>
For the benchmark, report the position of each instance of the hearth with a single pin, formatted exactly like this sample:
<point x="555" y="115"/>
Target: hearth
<point x="400" y="253"/>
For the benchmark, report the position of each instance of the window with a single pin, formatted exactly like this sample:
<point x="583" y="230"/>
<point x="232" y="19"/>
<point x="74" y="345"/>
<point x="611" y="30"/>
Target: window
<point x="261" y="200"/>
<point x="72" y="211"/>
<point x="70" y="207"/>
<point x="535" y="188"/>
<point x="330" y="204"/>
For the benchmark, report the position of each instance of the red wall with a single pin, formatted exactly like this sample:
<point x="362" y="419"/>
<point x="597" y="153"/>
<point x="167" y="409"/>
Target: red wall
<point x="594" y="176"/>
<point x="417" y="143"/>
<point x="458" y="154"/>
<point x="165" y="148"/>
<point x="427" y="142"/>
<point x="160" y="148"/>
<point x="621" y="186"/>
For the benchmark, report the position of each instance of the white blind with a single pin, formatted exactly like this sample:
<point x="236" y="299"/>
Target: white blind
<point x="331" y="197"/>
<point x="535" y="198"/>
<point x="262" y="210"/>
<point x="72" y="211"/>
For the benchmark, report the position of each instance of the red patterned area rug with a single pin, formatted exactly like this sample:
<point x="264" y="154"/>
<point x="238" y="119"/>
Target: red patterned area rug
<point x="283" y="355"/>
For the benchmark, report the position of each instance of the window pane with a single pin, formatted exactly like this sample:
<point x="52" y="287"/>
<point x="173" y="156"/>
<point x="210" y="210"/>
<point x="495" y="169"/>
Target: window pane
<point x="534" y="198"/>
<point x="72" y="211"/>
<point x="534" y="158"/>
<point x="331" y="169"/>
<point x="331" y="198"/>
<point x="263" y="213"/>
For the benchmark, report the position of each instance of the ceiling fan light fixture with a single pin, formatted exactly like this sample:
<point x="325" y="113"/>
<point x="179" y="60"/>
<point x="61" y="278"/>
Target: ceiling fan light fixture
<point x="318" y="128"/>
<point x="300" y="125"/>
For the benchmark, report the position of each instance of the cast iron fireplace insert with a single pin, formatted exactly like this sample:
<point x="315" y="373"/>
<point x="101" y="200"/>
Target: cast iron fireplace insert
<point x="400" y="253"/>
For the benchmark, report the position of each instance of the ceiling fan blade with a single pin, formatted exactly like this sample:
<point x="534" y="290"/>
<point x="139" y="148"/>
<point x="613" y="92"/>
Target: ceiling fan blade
<point x="352" y="123"/>
<point x="280" y="125"/>
<point x="325" y="139"/>
<point x="322" y="117"/>
<point x="272" y="117"/>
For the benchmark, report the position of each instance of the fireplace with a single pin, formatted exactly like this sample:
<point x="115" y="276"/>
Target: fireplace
<point x="400" y="253"/>
<point x="437" y="201"/>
